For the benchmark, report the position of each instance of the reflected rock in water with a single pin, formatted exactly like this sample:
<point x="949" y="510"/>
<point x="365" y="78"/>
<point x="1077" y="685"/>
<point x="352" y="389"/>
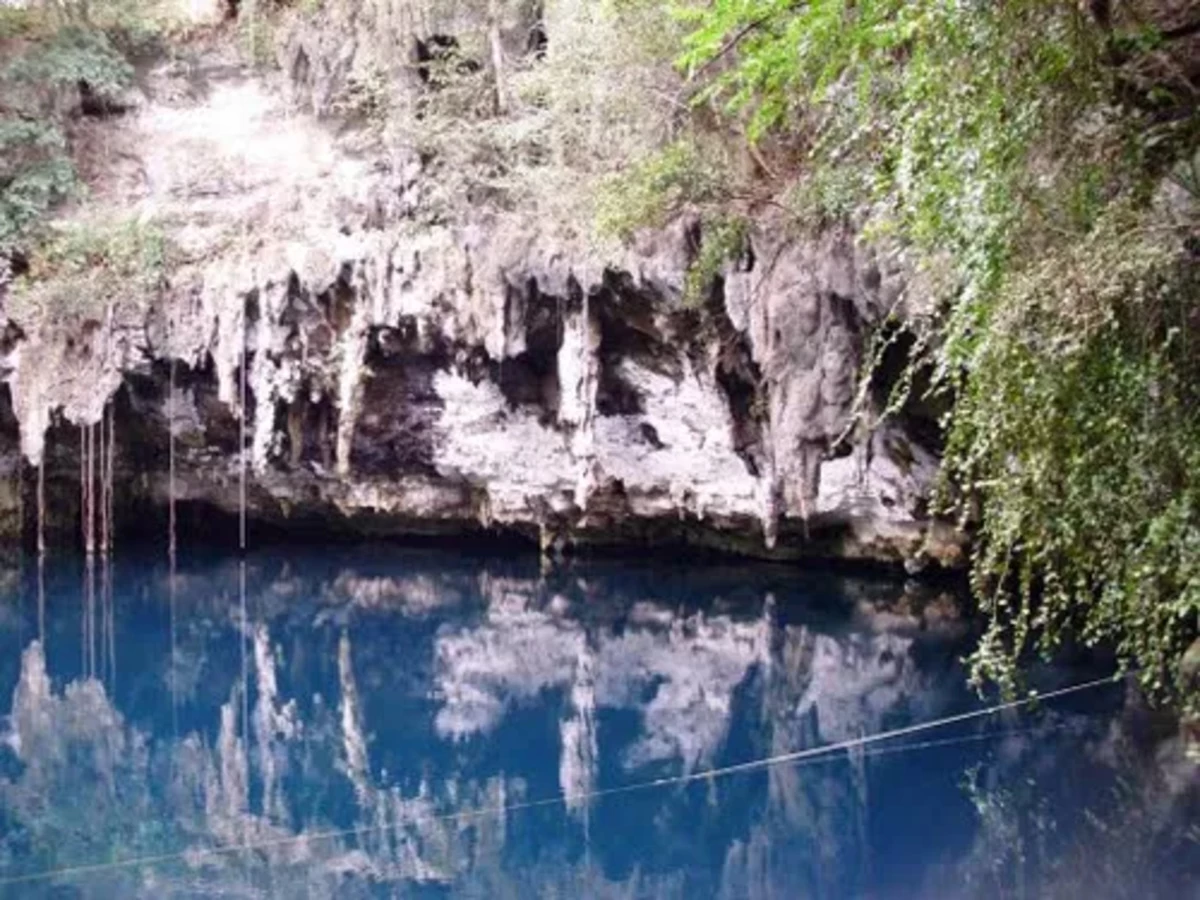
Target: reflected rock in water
<point x="400" y="728"/>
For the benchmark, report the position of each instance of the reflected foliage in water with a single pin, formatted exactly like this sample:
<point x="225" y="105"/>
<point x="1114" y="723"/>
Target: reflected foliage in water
<point x="383" y="724"/>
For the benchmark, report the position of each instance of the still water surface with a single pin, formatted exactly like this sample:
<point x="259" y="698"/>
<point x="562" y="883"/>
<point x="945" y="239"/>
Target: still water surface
<point x="383" y="723"/>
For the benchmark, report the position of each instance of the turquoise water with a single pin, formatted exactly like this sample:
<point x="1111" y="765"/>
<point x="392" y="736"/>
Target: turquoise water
<point x="384" y="723"/>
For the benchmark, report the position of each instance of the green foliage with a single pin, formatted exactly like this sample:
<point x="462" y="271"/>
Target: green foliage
<point x="721" y="239"/>
<point x="73" y="54"/>
<point x="1021" y="146"/>
<point x="1075" y="428"/>
<point x="829" y="196"/>
<point x="56" y="48"/>
<point x="131" y="251"/>
<point x="84" y="269"/>
<point x="656" y="188"/>
<point x="539" y="136"/>
<point x="18" y="22"/>
<point x="257" y="21"/>
<point x="35" y="173"/>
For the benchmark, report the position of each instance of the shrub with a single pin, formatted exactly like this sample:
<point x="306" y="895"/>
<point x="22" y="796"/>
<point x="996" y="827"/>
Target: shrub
<point x="657" y="188"/>
<point x="59" y="50"/>
<point x="73" y="54"/>
<point x="35" y="173"/>
<point x="80" y="271"/>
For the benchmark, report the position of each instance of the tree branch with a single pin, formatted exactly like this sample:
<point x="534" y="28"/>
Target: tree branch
<point x="740" y="35"/>
<point x="1182" y="31"/>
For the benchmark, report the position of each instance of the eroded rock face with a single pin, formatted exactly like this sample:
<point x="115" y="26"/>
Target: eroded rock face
<point x="403" y="376"/>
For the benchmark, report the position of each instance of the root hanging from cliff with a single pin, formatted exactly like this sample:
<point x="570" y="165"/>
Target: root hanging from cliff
<point x="90" y="440"/>
<point x="41" y="509"/>
<point x="245" y="625"/>
<point x="109" y="623"/>
<point x="98" y="529"/>
<point x="242" y="447"/>
<point x="109" y="470"/>
<point x="89" y="617"/>
<point x="83" y="626"/>
<point x="41" y="599"/>
<point x="172" y="677"/>
<point x="172" y="546"/>
<point x="245" y="686"/>
<point x="171" y="483"/>
<point x="90" y="492"/>
<point x="83" y="494"/>
<point x="102" y="465"/>
<point x="95" y="452"/>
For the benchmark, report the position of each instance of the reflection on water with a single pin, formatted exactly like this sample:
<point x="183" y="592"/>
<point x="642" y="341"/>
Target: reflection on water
<point x="382" y="724"/>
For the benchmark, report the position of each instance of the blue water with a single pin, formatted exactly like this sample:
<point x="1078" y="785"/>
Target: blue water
<point x="385" y="723"/>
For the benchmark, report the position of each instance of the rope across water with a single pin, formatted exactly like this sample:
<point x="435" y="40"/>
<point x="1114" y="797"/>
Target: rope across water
<point x="811" y="755"/>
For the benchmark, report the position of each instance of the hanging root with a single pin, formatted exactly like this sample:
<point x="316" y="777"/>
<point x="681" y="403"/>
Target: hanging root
<point x="41" y="507"/>
<point x="95" y="452"/>
<point x="83" y="498"/>
<point x="41" y="600"/>
<point x="242" y="437"/>
<point x="106" y="601"/>
<point x="89" y="617"/>
<point x="109" y="468"/>
<point x="171" y="468"/>
<point x="102" y="428"/>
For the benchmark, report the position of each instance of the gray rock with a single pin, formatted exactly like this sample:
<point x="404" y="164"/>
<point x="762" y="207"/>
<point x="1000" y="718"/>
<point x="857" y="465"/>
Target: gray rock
<point x="411" y="377"/>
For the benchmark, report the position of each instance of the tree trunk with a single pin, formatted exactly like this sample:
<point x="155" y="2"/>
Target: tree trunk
<point x="497" y="48"/>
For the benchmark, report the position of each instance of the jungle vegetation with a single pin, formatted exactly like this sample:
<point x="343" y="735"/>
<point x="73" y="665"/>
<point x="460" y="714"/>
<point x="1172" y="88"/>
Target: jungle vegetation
<point x="1039" y="160"/>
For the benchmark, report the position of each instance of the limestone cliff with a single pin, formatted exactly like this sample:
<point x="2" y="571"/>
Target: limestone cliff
<point x="410" y="373"/>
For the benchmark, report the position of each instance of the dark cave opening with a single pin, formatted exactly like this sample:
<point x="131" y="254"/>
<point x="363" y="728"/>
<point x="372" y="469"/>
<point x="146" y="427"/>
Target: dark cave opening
<point x="439" y="59"/>
<point x="921" y="412"/>
<point x="394" y="433"/>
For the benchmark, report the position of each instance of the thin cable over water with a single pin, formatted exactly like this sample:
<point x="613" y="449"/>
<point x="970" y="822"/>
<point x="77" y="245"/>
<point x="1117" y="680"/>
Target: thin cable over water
<point x="809" y="756"/>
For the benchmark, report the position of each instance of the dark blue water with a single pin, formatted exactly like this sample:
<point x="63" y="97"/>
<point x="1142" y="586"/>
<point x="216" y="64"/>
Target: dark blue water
<point x="377" y="723"/>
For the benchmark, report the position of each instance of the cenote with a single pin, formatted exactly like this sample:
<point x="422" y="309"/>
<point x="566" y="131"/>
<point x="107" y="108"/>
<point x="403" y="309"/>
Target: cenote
<point x="383" y="722"/>
<point x="503" y="449"/>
